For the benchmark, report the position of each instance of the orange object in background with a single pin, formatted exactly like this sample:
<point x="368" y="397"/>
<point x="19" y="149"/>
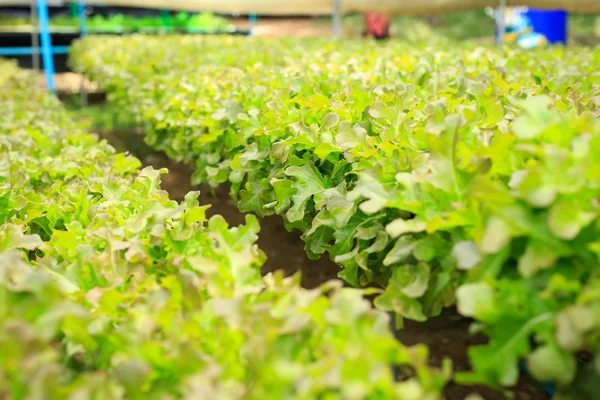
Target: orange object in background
<point x="377" y="25"/>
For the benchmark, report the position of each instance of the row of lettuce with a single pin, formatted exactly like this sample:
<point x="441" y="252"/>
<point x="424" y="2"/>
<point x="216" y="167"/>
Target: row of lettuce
<point x="448" y="176"/>
<point x="110" y="290"/>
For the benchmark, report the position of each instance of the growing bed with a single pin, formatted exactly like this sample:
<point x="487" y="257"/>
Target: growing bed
<point x="111" y="290"/>
<point x="443" y="175"/>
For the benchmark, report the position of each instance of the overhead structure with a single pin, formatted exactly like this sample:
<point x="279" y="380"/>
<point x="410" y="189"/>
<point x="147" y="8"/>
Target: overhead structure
<point x="336" y="8"/>
<point x="39" y="13"/>
<point x="40" y="23"/>
<point x="326" y="7"/>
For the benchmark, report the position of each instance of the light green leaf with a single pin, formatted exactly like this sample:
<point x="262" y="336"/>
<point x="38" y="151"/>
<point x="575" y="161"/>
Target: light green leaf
<point x="497" y="235"/>
<point x="548" y="363"/>
<point x="537" y="256"/>
<point x="537" y="117"/>
<point x="308" y="182"/>
<point x="377" y="110"/>
<point x="566" y="219"/>
<point x="331" y="120"/>
<point x="476" y="300"/>
<point x="467" y="254"/>
<point x="401" y="226"/>
<point x="401" y="250"/>
<point x="12" y="237"/>
<point x="348" y="138"/>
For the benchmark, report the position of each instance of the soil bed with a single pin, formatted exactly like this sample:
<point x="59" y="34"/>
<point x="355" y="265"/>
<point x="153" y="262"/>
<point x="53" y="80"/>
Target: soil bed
<point x="284" y="250"/>
<point x="446" y="336"/>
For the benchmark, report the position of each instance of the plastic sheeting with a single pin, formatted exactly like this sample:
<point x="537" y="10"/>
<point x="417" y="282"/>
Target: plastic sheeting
<point x="325" y="7"/>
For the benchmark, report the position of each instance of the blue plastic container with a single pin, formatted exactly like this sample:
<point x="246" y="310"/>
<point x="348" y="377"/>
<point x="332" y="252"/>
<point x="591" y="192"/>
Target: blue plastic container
<point x="550" y="23"/>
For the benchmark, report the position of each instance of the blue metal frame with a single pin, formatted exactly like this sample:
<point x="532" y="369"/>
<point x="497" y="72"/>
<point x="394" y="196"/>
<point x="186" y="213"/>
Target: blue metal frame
<point x="82" y="19"/>
<point x="27" y="51"/>
<point x="48" y="51"/>
<point x="47" y="56"/>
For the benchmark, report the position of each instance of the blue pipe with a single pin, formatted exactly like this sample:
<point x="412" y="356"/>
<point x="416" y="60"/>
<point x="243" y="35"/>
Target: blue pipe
<point x="82" y="19"/>
<point x="46" y="43"/>
<point x="26" y="51"/>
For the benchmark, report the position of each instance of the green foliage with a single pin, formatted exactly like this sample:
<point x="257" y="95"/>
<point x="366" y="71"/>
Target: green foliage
<point x="448" y="175"/>
<point x="110" y="290"/>
<point x="121" y="23"/>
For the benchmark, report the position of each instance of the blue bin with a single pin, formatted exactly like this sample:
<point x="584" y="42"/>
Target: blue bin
<point x="550" y="23"/>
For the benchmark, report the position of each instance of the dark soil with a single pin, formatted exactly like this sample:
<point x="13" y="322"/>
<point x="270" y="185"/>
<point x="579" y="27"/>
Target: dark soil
<point x="284" y="250"/>
<point x="446" y="336"/>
